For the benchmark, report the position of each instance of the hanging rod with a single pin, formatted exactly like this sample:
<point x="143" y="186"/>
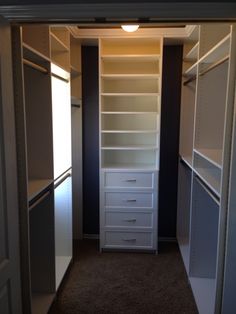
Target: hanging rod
<point x="60" y="77"/>
<point x="35" y="66"/>
<point x="191" y="79"/>
<point x="214" y="65"/>
<point x="75" y="105"/>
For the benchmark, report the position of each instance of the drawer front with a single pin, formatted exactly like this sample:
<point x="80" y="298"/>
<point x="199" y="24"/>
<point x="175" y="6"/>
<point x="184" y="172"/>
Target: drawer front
<point x="123" y="199"/>
<point x="129" y="239"/>
<point x="114" y="219"/>
<point x="129" y="180"/>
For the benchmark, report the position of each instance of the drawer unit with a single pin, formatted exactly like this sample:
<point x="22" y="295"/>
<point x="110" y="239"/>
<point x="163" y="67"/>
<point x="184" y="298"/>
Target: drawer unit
<point x="131" y="220"/>
<point x="126" y="239"/>
<point x="128" y="199"/>
<point x="129" y="180"/>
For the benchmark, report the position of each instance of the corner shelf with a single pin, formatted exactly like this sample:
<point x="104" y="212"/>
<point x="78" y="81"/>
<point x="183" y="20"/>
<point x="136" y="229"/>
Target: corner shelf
<point x="37" y="186"/>
<point x="192" y="55"/>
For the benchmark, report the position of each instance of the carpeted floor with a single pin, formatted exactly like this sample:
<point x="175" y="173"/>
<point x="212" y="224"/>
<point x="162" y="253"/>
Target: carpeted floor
<point x="125" y="283"/>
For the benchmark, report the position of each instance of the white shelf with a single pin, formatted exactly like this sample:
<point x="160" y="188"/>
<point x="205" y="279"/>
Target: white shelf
<point x="62" y="263"/>
<point x="129" y="166"/>
<point x="184" y="247"/>
<point x="131" y="57"/>
<point x="214" y="156"/>
<point x="130" y="131"/>
<point x="208" y="176"/>
<point x="37" y="186"/>
<point x="57" y="45"/>
<point x="130" y="94"/>
<point x="33" y="54"/>
<point x="188" y="160"/>
<point x="129" y="76"/>
<point x="204" y="294"/>
<point x="191" y="71"/>
<point x="218" y="52"/>
<point x="192" y="55"/>
<point x="130" y="112"/>
<point x="133" y="147"/>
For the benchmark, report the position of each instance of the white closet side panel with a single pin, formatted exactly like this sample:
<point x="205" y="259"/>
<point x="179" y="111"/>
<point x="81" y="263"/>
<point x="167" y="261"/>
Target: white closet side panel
<point x="63" y="226"/>
<point x="61" y="110"/>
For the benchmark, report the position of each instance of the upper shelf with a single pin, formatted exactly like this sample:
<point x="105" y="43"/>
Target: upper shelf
<point x="127" y="76"/>
<point x="192" y="55"/>
<point x="57" y="45"/>
<point x="191" y="71"/>
<point x="219" y="51"/>
<point x="126" y="57"/>
<point x="214" y="156"/>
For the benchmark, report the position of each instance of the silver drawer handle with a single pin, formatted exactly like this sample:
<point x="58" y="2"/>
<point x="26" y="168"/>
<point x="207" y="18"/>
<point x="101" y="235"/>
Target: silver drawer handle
<point x="130" y="220"/>
<point x="130" y="180"/>
<point x="129" y="240"/>
<point x="130" y="200"/>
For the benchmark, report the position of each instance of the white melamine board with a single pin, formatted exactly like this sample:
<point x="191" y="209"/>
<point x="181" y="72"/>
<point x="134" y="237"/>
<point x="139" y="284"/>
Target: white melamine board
<point x="125" y="46"/>
<point x="210" y="112"/>
<point x="37" y="37"/>
<point x="204" y="232"/>
<point x="183" y="213"/>
<point x="63" y="228"/>
<point x="129" y="180"/>
<point x="38" y="123"/>
<point x="62" y="263"/>
<point x="220" y="51"/>
<point x="57" y="45"/>
<point x="130" y="66"/>
<point x="187" y="120"/>
<point x="130" y="85"/>
<point x="122" y="158"/>
<point x="132" y="220"/>
<point x="131" y="103"/>
<point x="62" y="34"/>
<point x="130" y="131"/>
<point x="210" y="174"/>
<point x="75" y="53"/>
<point x="61" y="108"/>
<point x="191" y="70"/>
<point x="34" y="55"/>
<point x="138" y="94"/>
<point x="192" y="55"/>
<point x="127" y="122"/>
<point x="204" y="294"/>
<point x="131" y="57"/>
<point x="37" y="186"/>
<point x="214" y="156"/>
<point x="129" y="166"/>
<point x="210" y="35"/>
<point x="129" y="140"/>
<point x="130" y="147"/>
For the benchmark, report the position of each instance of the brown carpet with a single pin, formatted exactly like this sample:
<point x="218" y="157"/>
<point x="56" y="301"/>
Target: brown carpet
<point x="125" y="283"/>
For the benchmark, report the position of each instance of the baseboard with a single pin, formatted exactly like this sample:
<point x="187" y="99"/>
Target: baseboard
<point x="91" y="236"/>
<point x="167" y="239"/>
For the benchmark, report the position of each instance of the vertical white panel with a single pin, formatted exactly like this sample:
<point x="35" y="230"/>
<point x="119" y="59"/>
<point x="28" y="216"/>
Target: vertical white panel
<point x="63" y="226"/>
<point x="61" y="109"/>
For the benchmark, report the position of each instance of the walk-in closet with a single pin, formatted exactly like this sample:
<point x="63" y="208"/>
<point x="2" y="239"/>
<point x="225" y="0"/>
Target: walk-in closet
<point x="91" y="109"/>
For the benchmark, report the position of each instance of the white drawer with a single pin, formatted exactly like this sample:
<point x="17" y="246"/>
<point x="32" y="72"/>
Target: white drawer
<point x="129" y="179"/>
<point x="124" y="219"/>
<point x="128" y="199"/>
<point x="129" y="239"/>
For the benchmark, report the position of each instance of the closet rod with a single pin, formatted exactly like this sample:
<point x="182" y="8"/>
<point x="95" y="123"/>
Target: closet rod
<point x="60" y="77"/>
<point x="214" y="65"/>
<point x="76" y="106"/>
<point x="35" y="66"/>
<point x="191" y="79"/>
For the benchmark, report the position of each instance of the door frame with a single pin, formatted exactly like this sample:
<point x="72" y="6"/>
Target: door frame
<point x="161" y="12"/>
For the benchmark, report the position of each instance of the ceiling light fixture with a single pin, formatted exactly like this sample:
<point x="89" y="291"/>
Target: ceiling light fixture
<point x="130" y="28"/>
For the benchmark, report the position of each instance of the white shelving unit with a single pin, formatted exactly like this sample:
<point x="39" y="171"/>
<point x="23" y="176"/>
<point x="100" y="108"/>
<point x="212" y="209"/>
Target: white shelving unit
<point x="205" y="139"/>
<point x="130" y="88"/>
